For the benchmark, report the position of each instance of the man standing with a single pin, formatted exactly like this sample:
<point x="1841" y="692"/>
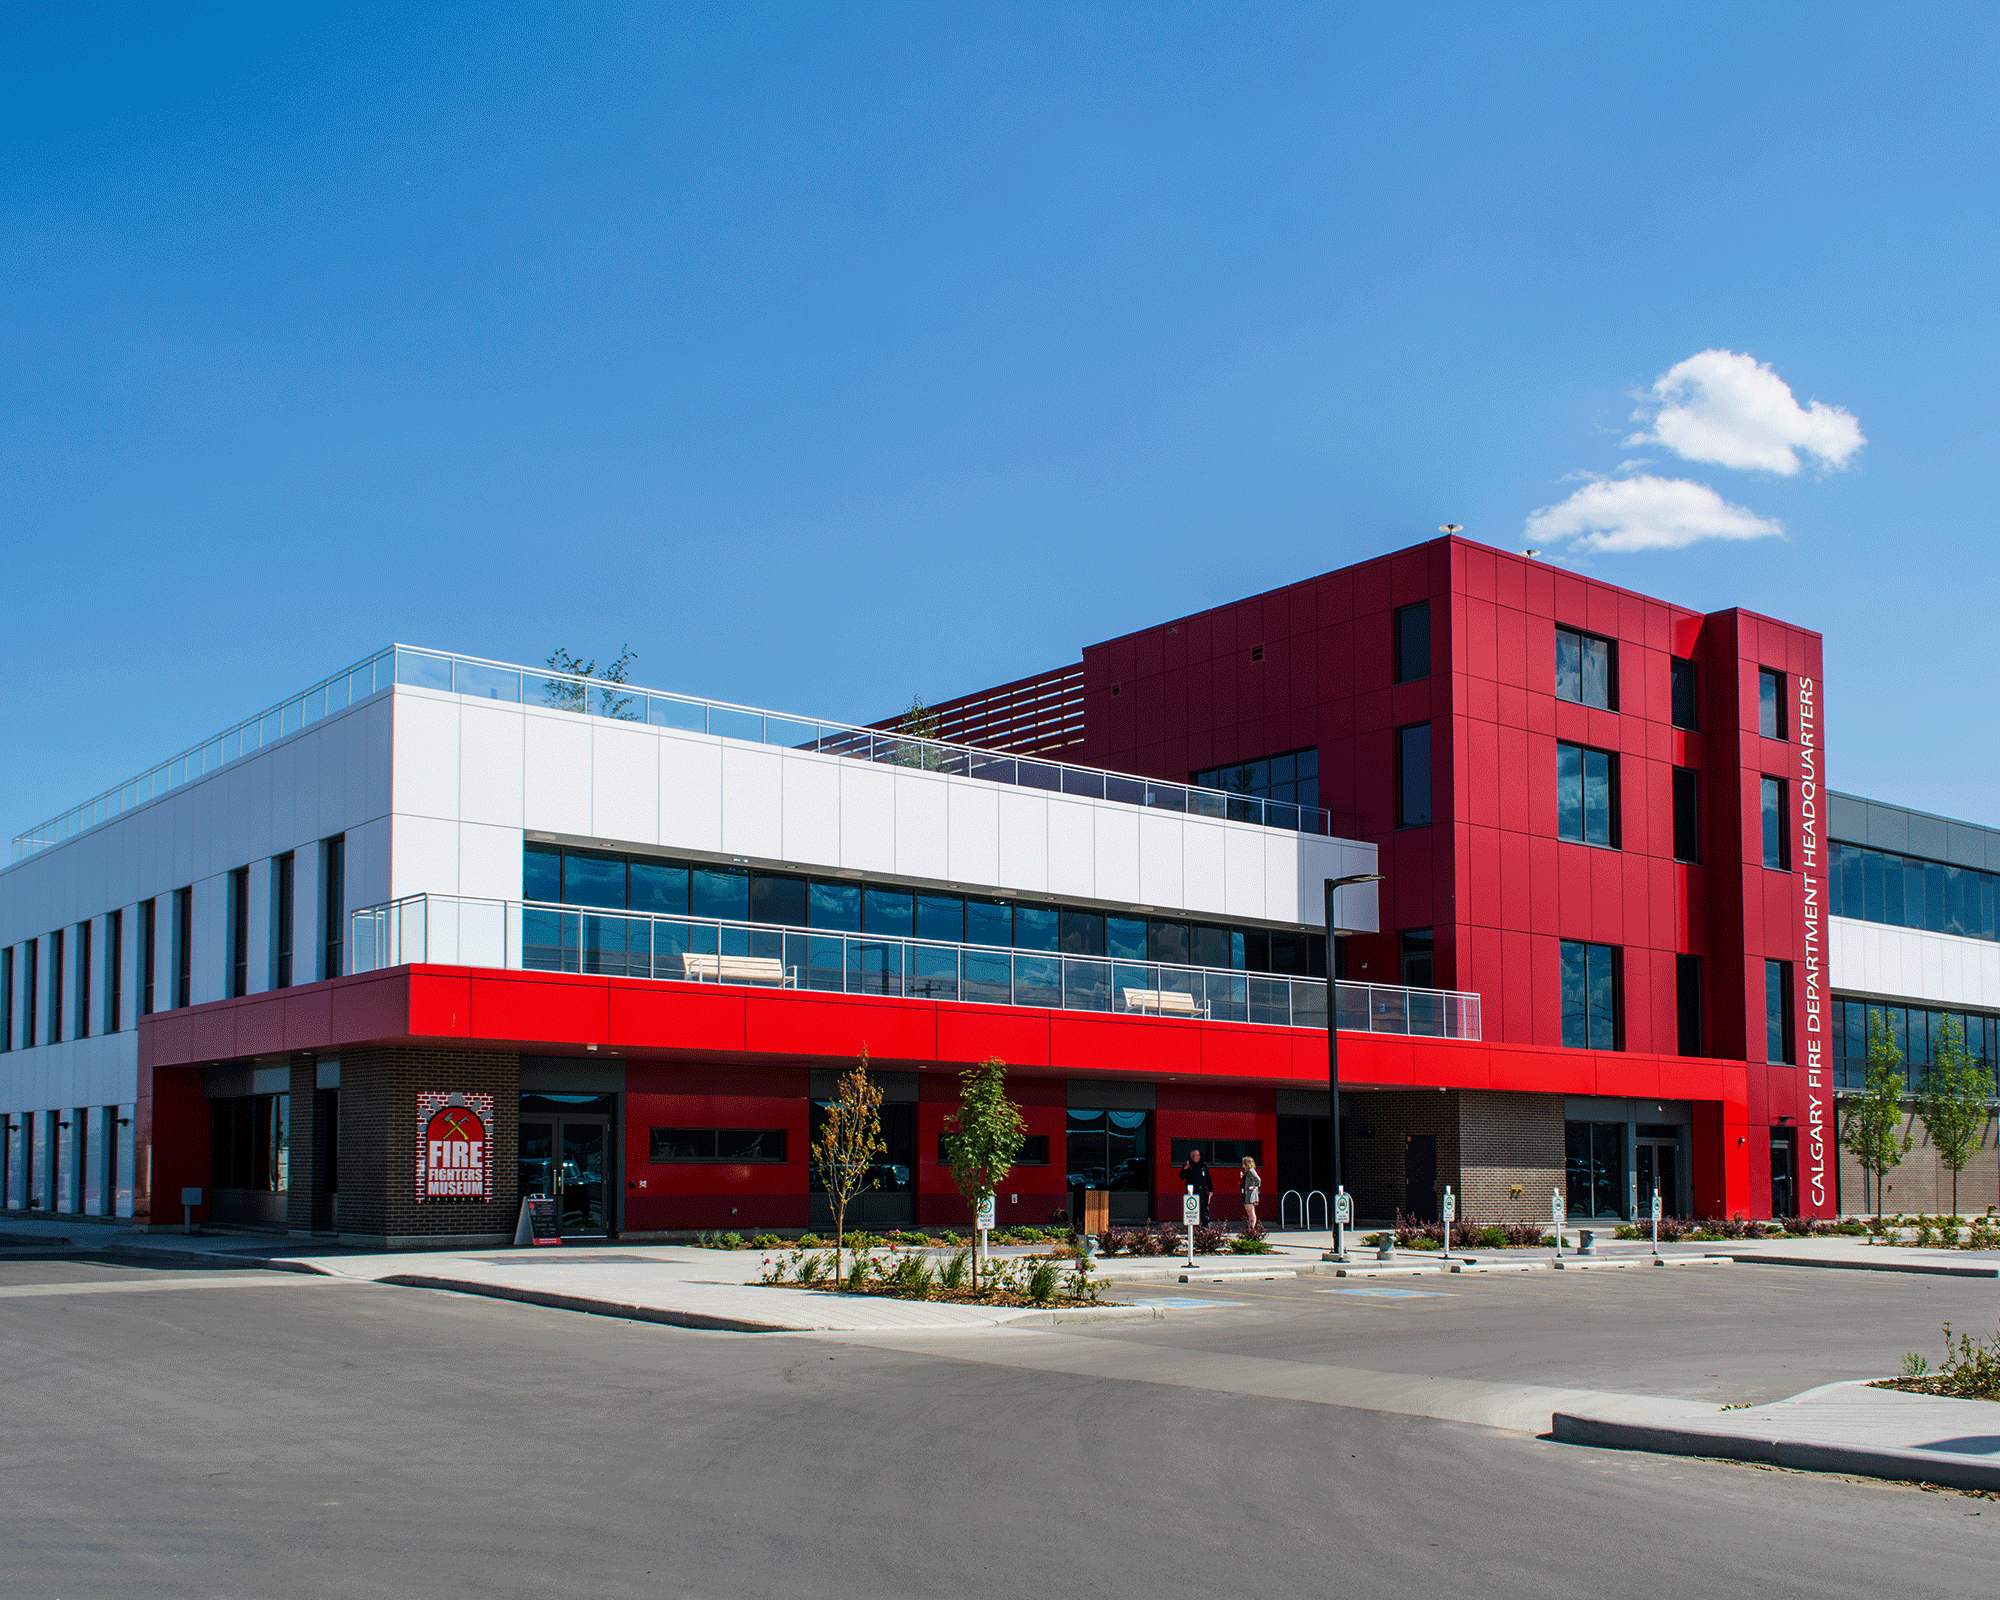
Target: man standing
<point x="1195" y="1175"/>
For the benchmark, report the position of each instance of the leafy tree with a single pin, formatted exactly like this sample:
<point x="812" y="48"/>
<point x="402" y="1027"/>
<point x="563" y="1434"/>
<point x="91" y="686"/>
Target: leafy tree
<point x="1952" y="1103"/>
<point x="982" y="1138"/>
<point x="1874" y="1133"/>
<point x="919" y="722"/>
<point x="566" y="693"/>
<point x="849" y="1141"/>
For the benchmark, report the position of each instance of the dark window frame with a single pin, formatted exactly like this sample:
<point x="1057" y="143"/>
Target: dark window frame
<point x="1403" y="648"/>
<point x="1773" y="679"/>
<point x="1767" y="786"/>
<point x="84" y="941"/>
<point x="183" y="947"/>
<point x="7" y="999"/>
<point x="1684" y="691"/>
<point x="1688" y="1028"/>
<point x="31" y="981"/>
<point x="1614" y="956"/>
<point x="1034" y="1150"/>
<point x="285" y="894"/>
<point x="333" y="890"/>
<point x="56" y="954"/>
<point x="657" y="1137"/>
<point x="239" y="933"/>
<point x="1781" y="1022"/>
<point x="1221" y="1155"/>
<point x="1581" y="635"/>
<point x="1403" y="783"/>
<point x="1687" y="815"/>
<point x="149" y="932"/>
<point x="114" y="970"/>
<point x="1614" y="797"/>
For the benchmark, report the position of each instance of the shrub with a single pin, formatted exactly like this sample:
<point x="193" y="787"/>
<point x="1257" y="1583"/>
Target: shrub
<point x="767" y="1241"/>
<point x="952" y="1273"/>
<point x="1970" y="1369"/>
<point x="1926" y="1231"/>
<point x="1492" y="1237"/>
<point x="1522" y="1235"/>
<point x="864" y="1241"/>
<point x="1246" y="1244"/>
<point x="1852" y="1227"/>
<point x="1256" y="1230"/>
<point x="810" y="1241"/>
<point x="1116" y="1241"/>
<point x="1042" y="1282"/>
<point x="912" y="1278"/>
<point x="1983" y="1235"/>
<point x="812" y="1269"/>
<point x="1208" y="1241"/>
<point x="732" y="1241"/>
<point x="1626" y="1230"/>
<point x="857" y="1276"/>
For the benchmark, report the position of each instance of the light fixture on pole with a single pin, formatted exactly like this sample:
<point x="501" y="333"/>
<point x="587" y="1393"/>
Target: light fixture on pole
<point x="1339" y="1250"/>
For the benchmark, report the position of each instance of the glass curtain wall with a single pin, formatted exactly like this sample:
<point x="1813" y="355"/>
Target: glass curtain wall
<point x="1909" y="892"/>
<point x="1916" y="1031"/>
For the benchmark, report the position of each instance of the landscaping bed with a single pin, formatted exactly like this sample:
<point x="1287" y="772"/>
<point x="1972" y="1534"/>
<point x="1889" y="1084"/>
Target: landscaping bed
<point x="1970" y="1370"/>
<point x="1034" y="1282"/>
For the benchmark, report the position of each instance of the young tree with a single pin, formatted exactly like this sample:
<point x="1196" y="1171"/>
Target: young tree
<point x="1874" y="1133"/>
<point x="567" y="694"/>
<point x="1952" y="1103"/>
<point x="849" y="1141"/>
<point x="982" y="1138"/>
<point x="919" y="722"/>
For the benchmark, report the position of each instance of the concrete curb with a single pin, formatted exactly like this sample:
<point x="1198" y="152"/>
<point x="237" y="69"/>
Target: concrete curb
<point x="1026" y="1316"/>
<point x="1866" y="1461"/>
<point x="591" y="1307"/>
<point x="1267" y="1275"/>
<point x="38" y="1241"/>
<point x="1930" y="1269"/>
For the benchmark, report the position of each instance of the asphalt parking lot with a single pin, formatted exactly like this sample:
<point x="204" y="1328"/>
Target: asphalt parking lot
<point x="166" y="1433"/>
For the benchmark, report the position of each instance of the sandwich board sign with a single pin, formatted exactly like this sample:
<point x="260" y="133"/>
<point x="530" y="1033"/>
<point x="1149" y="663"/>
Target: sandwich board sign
<point x="538" y="1224"/>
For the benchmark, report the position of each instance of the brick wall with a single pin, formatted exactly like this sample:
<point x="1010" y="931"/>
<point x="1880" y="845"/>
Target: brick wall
<point x="1919" y="1183"/>
<point x="1507" y="1141"/>
<point x="304" y="1177"/>
<point x="1377" y="1142"/>
<point x="378" y="1134"/>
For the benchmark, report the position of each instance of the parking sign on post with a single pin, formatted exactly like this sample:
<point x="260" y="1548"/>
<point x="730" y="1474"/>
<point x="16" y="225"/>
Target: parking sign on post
<point x="1556" y="1218"/>
<point x="1450" y="1212"/>
<point x="1190" y="1215"/>
<point x="983" y="1220"/>
<point x="1656" y="1219"/>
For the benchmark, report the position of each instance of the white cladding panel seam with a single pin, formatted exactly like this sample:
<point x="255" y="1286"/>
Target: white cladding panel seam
<point x="1944" y="969"/>
<point x="588" y="778"/>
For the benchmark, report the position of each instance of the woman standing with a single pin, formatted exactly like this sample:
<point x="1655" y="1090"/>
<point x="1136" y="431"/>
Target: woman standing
<point x="1253" y="1189"/>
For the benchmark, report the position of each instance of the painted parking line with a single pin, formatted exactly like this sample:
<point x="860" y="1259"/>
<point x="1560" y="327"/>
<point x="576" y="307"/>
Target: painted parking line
<point x="1394" y="1294"/>
<point x="1193" y="1305"/>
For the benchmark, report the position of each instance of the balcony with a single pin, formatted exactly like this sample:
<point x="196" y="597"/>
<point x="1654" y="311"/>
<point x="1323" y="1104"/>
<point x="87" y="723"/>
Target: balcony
<point x="594" y="697"/>
<point x="457" y="930"/>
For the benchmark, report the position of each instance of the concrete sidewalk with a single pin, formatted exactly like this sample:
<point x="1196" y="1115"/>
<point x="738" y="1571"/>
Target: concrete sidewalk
<point x="1842" y="1427"/>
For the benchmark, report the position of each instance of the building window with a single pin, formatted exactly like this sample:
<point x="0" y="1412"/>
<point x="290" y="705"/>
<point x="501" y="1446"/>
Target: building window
<point x="1589" y="996"/>
<point x="1777" y="831"/>
<point x="1218" y="1153"/>
<point x="1419" y="956"/>
<point x="148" y="928"/>
<point x="56" y="987"/>
<point x="1686" y="708"/>
<point x="1687" y="1003"/>
<point x="1413" y="776"/>
<point x="1770" y="703"/>
<point x="286" y="904"/>
<point x="1292" y="777"/>
<point x="7" y="998"/>
<point x="1034" y="1151"/>
<point x="1595" y="1157"/>
<point x="83" y="943"/>
<point x="763" y="1146"/>
<point x="1687" y="814"/>
<point x="1917" y="1031"/>
<point x="1110" y="1150"/>
<point x="239" y="933"/>
<point x="31" y="998"/>
<point x="1586" y="670"/>
<point x="184" y="946"/>
<point x="1586" y="797"/>
<point x="114" y="971"/>
<point x="335" y="879"/>
<point x="1906" y="892"/>
<point x="1413" y="642"/>
<point x="1778" y="1011"/>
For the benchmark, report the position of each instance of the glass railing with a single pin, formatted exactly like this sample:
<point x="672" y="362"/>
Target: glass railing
<point x="458" y="930"/>
<point x="494" y="680"/>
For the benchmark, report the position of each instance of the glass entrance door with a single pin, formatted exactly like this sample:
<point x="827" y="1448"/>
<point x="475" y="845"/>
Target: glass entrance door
<point x="566" y="1153"/>
<point x="1659" y="1167"/>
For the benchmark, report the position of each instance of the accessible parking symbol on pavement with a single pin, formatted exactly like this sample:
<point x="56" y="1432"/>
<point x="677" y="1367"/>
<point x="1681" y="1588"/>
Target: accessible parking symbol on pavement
<point x="1394" y="1294"/>
<point x="1193" y="1305"/>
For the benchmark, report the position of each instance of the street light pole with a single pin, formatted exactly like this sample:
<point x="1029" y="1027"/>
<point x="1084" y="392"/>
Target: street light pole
<point x="1339" y="1250"/>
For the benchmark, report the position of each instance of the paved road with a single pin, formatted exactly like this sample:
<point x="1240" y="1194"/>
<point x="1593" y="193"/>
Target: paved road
<point x="163" y="1433"/>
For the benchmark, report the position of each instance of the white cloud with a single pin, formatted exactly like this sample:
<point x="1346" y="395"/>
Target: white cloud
<point x="1727" y="408"/>
<point x="1625" y="515"/>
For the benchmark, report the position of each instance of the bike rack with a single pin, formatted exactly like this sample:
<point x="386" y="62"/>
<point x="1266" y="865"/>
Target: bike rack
<point x="1305" y="1208"/>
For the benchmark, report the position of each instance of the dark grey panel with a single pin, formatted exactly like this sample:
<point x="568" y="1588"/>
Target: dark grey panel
<point x="571" y="1075"/>
<point x="1099" y="1094"/>
<point x="1847" y="818"/>
<point x="1965" y="845"/>
<point x="1888" y="827"/>
<point x="1927" y="836"/>
<point x="898" y="1088"/>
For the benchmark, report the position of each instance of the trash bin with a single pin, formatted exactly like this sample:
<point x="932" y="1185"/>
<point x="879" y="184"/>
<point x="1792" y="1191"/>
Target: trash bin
<point x="1096" y="1211"/>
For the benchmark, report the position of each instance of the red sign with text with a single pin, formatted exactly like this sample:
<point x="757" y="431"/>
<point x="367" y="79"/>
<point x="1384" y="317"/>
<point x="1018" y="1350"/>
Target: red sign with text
<point x="454" y="1146"/>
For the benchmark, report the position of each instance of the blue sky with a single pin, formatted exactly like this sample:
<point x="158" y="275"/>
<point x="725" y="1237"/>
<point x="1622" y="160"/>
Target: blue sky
<point x="830" y="354"/>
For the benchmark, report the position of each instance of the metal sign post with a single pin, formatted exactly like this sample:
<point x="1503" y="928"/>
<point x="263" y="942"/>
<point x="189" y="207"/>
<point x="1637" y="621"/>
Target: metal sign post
<point x="1450" y="1209"/>
<point x="190" y="1198"/>
<point x="1556" y="1218"/>
<point x="1656" y="1219"/>
<point x="1343" y="1214"/>
<point x="982" y="1219"/>
<point x="1190" y="1215"/>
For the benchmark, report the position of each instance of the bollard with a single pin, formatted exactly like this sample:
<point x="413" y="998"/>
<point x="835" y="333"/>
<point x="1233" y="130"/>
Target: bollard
<point x="1386" y="1249"/>
<point x="1589" y="1245"/>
